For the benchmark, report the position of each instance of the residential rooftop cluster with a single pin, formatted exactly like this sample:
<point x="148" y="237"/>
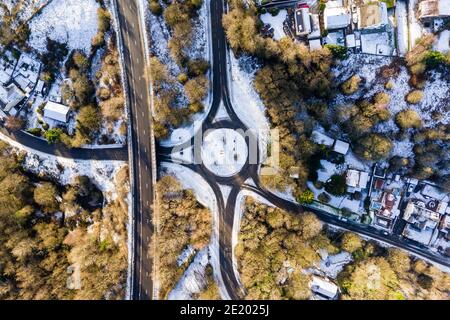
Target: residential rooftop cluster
<point x="416" y="210"/>
<point x="378" y="27"/>
<point x="20" y="84"/>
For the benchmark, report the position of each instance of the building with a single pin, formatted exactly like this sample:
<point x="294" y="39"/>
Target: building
<point x="431" y="9"/>
<point x="56" y="111"/>
<point x="302" y="21"/>
<point x="320" y="138"/>
<point x="341" y="147"/>
<point x="421" y="222"/>
<point x="434" y="192"/>
<point x="373" y="16"/>
<point x="26" y="74"/>
<point x="335" y="16"/>
<point x="10" y="97"/>
<point x="356" y="180"/>
<point x="323" y="288"/>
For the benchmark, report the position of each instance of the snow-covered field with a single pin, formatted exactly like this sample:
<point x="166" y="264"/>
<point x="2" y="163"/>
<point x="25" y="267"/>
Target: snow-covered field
<point x="246" y="102"/>
<point x="436" y="96"/>
<point x="70" y="21"/>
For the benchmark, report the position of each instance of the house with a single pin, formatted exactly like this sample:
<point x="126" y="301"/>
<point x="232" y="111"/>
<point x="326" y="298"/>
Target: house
<point x="421" y="222"/>
<point x="323" y="288"/>
<point x="431" y="9"/>
<point x="335" y="16"/>
<point x="341" y="147"/>
<point x="385" y="209"/>
<point x="10" y="97"/>
<point x="434" y="192"/>
<point x="320" y="138"/>
<point x="356" y="180"/>
<point x="56" y="111"/>
<point x="26" y="74"/>
<point x="302" y="21"/>
<point x="373" y="16"/>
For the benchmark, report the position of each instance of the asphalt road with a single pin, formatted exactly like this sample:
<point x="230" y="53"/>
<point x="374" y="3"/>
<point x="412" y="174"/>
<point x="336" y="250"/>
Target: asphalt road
<point x="41" y="145"/>
<point x="140" y="118"/>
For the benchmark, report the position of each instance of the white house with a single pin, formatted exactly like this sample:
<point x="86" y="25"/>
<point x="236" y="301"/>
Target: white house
<point x="356" y="180"/>
<point x="56" y="111"/>
<point x="336" y="16"/>
<point x="341" y="147"/>
<point x="323" y="288"/>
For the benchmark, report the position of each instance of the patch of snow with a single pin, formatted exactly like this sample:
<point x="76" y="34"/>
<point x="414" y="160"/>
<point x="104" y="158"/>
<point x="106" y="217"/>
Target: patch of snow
<point x="276" y="22"/>
<point x="245" y="100"/>
<point x="185" y="255"/>
<point x="224" y="152"/>
<point x="226" y="190"/>
<point x="193" y="280"/>
<point x="332" y="265"/>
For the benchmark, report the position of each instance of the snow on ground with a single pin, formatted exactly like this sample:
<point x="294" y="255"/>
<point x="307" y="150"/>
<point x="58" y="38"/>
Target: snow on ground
<point x="224" y="152"/>
<point x="246" y="102"/>
<point x="403" y="149"/>
<point x="193" y="280"/>
<point x="276" y="22"/>
<point x="185" y="255"/>
<point x="238" y="213"/>
<point x="64" y="170"/>
<point x="205" y="195"/>
<point x="332" y="265"/>
<point x="226" y="190"/>
<point x="402" y="28"/>
<point x="221" y="114"/>
<point x="71" y="21"/>
<point x="436" y="91"/>
<point x="27" y="8"/>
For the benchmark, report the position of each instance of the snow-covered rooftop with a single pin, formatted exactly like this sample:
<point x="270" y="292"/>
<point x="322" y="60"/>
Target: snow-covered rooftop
<point x="56" y="111"/>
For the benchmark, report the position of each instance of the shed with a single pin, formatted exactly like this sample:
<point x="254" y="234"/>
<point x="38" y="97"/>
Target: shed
<point x="341" y="147"/>
<point x="336" y="16"/>
<point x="56" y="111"/>
<point x="320" y="138"/>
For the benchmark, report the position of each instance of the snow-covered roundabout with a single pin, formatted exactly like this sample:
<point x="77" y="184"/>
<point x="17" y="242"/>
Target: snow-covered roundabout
<point x="224" y="152"/>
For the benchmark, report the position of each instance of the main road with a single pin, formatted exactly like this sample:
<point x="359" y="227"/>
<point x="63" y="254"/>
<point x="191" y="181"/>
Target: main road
<point x="142" y="159"/>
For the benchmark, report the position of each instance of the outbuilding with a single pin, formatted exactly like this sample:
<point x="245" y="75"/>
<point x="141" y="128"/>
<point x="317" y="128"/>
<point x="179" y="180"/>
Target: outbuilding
<point x="56" y="111"/>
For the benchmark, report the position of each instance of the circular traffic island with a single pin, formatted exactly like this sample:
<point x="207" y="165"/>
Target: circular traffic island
<point x="224" y="152"/>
